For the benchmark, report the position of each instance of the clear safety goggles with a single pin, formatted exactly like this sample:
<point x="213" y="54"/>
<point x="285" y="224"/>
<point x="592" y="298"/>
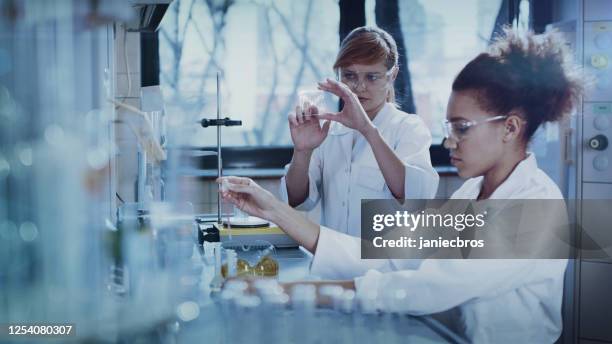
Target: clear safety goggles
<point x="457" y="130"/>
<point x="369" y="79"/>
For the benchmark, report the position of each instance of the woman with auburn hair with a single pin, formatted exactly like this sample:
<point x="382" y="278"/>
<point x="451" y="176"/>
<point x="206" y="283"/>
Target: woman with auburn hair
<point x="376" y="152"/>
<point x="498" y="101"/>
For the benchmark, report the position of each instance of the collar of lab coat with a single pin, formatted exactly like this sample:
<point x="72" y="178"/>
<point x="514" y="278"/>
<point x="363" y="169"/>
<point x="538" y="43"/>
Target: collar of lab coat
<point x="522" y="174"/>
<point x="346" y="141"/>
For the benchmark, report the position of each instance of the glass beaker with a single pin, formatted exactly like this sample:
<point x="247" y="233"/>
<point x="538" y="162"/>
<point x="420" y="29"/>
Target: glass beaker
<point x="254" y="259"/>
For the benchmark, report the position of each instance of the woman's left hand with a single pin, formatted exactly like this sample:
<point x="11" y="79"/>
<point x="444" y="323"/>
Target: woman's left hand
<point x="352" y="115"/>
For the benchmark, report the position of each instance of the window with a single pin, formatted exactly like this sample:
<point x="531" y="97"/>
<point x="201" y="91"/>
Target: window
<point x="267" y="50"/>
<point x="441" y="37"/>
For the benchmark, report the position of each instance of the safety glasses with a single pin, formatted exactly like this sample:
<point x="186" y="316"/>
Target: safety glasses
<point x="457" y="130"/>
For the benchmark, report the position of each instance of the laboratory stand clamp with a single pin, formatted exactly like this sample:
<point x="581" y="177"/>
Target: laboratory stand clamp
<point x="227" y="122"/>
<point x="219" y="122"/>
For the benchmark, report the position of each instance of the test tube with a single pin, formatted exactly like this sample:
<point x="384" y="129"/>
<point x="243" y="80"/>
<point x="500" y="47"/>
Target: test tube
<point x="232" y="260"/>
<point x="208" y="252"/>
<point x="225" y="188"/>
<point x="215" y="284"/>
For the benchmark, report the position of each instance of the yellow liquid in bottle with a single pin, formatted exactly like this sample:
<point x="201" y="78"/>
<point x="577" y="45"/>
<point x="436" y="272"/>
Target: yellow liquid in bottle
<point x="267" y="267"/>
<point x="243" y="269"/>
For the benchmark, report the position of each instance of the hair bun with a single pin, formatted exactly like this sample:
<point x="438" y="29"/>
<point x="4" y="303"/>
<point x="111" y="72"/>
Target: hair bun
<point x="530" y="73"/>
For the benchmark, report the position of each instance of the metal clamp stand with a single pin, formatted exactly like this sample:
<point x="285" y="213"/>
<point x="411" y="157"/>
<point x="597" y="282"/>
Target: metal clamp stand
<point x="219" y="122"/>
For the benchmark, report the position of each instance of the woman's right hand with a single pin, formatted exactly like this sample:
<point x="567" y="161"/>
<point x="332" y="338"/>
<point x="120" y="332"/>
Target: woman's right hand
<point x="248" y="196"/>
<point x="306" y="131"/>
<point x="254" y="200"/>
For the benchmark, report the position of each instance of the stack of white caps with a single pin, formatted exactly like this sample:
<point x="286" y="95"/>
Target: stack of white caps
<point x="303" y="296"/>
<point x="333" y="294"/>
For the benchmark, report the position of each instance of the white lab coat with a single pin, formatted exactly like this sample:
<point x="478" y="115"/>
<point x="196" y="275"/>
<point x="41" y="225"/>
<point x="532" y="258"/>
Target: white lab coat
<point x="499" y="301"/>
<point x="341" y="174"/>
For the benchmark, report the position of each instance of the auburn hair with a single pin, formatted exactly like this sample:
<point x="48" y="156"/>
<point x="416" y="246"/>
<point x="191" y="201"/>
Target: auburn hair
<point x="368" y="45"/>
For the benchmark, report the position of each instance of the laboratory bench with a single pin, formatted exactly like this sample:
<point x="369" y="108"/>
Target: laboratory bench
<point x="219" y="323"/>
<point x="202" y="316"/>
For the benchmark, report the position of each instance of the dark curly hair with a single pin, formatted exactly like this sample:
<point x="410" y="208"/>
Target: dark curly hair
<point x="531" y="74"/>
